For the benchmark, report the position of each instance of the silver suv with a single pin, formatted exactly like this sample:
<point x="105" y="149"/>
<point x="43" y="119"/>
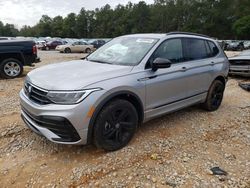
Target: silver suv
<point x="128" y="81"/>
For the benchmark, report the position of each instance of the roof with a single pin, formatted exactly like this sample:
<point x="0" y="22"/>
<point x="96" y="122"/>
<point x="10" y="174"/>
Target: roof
<point x="15" y="42"/>
<point x="187" y="33"/>
<point x="162" y="35"/>
<point x="148" y="35"/>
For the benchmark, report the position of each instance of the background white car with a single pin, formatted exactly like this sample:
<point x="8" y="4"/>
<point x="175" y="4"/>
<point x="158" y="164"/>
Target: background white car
<point x="79" y="46"/>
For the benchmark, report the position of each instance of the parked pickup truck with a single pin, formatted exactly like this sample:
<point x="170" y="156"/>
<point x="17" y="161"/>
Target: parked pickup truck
<point x="14" y="54"/>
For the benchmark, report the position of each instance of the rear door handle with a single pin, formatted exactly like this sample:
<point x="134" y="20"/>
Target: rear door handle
<point x="183" y="69"/>
<point x="152" y="77"/>
<point x="212" y="63"/>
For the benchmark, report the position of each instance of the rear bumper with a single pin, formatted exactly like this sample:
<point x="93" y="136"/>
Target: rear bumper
<point x="30" y="59"/>
<point x="38" y="60"/>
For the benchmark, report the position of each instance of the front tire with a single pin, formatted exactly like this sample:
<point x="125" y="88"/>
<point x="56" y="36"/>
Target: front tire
<point x="115" y="125"/>
<point x="11" y="68"/>
<point x="214" y="96"/>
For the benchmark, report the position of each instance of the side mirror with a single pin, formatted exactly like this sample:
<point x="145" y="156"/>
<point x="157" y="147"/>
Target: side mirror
<point x="161" y="63"/>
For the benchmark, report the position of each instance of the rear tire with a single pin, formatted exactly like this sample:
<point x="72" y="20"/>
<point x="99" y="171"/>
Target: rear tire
<point x="11" y="68"/>
<point x="88" y="50"/>
<point x="214" y="96"/>
<point x="115" y="125"/>
<point x="67" y="50"/>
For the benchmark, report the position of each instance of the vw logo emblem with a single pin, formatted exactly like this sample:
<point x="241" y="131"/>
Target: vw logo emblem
<point x="29" y="89"/>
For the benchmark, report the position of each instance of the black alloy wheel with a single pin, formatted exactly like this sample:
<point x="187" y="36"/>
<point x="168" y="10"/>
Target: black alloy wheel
<point x="115" y="125"/>
<point x="215" y="96"/>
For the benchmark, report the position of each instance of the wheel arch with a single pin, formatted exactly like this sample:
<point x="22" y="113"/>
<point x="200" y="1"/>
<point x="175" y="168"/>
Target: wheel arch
<point x="86" y="49"/>
<point x="222" y="79"/>
<point x="126" y="95"/>
<point x="18" y="56"/>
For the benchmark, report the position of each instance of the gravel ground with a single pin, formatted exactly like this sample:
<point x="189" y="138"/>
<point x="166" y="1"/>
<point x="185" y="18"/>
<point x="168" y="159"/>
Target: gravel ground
<point x="176" y="150"/>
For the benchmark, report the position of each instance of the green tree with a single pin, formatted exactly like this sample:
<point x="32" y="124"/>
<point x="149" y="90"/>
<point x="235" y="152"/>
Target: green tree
<point x="1" y="28"/>
<point x="57" y="26"/>
<point x="242" y="27"/>
<point x="69" y="26"/>
<point x="222" y="19"/>
<point x="9" y="30"/>
<point x="140" y="18"/>
<point x="44" y="26"/>
<point x="28" y="31"/>
<point x="104" y="22"/>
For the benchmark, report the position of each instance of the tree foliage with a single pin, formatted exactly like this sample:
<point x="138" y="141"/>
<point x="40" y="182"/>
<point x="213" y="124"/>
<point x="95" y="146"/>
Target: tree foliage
<point x="218" y="18"/>
<point x="242" y="27"/>
<point x="8" y="30"/>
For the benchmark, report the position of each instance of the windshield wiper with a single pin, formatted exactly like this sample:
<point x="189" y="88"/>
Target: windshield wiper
<point x="103" y="62"/>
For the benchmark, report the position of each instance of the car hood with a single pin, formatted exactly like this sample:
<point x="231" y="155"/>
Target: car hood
<point x="240" y="57"/>
<point x="74" y="75"/>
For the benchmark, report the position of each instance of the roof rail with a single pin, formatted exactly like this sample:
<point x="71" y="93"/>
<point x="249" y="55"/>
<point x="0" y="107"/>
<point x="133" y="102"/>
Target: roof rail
<point x="187" y="33"/>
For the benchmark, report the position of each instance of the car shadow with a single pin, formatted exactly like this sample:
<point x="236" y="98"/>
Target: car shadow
<point x="21" y="76"/>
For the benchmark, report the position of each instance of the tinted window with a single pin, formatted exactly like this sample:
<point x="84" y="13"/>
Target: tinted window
<point x="57" y="42"/>
<point x="195" y="49"/>
<point x="213" y="49"/>
<point x="170" y="49"/>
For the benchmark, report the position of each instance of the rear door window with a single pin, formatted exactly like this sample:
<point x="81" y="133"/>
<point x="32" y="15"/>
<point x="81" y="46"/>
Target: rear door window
<point x="194" y="49"/>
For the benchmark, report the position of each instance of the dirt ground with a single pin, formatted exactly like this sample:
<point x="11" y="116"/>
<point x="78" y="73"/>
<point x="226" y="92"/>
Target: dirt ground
<point x="176" y="150"/>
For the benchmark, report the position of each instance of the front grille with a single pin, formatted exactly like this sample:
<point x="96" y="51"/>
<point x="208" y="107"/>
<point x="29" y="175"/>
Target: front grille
<point x="240" y="62"/>
<point x="58" y="125"/>
<point x="36" y="94"/>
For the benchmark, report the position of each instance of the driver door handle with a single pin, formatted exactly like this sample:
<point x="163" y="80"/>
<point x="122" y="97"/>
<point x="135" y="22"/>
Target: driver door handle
<point x="147" y="78"/>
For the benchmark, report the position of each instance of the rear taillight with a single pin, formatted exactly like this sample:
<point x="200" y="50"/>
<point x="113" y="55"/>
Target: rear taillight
<point x="34" y="49"/>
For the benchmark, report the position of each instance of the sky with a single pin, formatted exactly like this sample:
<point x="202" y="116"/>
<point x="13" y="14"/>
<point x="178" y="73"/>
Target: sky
<point x="28" y="12"/>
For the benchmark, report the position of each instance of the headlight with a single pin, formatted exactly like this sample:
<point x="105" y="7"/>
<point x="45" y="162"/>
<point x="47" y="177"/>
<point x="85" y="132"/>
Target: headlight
<point x="69" y="97"/>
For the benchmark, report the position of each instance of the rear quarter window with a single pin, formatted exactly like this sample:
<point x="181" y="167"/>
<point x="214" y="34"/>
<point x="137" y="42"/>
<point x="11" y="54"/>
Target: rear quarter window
<point x="213" y="49"/>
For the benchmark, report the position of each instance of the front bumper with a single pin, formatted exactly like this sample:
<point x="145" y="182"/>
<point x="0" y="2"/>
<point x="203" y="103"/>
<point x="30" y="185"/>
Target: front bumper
<point x="64" y="124"/>
<point x="59" y="49"/>
<point x="59" y="128"/>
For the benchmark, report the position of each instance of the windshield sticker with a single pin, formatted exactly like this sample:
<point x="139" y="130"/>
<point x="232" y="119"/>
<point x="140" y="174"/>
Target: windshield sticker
<point x="150" y="41"/>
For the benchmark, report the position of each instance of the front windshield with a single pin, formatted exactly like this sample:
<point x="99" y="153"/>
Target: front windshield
<point x="123" y="51"/>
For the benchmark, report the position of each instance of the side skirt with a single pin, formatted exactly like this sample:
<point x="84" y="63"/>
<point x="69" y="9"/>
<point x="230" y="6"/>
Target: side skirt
<point x="175" y="106"/>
